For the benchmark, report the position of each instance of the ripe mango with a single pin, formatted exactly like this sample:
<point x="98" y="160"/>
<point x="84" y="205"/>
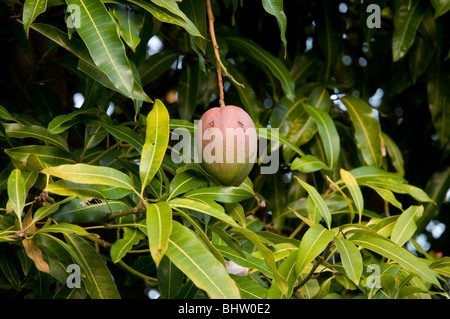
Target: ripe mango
<point x="226" y="143"/>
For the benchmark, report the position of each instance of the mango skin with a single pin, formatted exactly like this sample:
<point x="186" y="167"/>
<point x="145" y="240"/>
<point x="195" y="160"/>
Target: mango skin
<point x="229" y="173"/>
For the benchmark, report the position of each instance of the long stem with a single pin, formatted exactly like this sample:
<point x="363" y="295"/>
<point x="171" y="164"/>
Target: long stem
<point x="216" y="52"/>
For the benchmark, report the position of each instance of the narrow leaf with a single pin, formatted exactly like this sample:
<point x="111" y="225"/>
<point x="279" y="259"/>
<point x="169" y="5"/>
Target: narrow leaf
<point x="406" y="226"/>
<point x="17" y="192"/>
<point x="318" y="201"/>
<point x="327" y="132"/>
<point x="97" y="278"/>
<point x="314" y="241"/>
<point x="31" y="9"/>
<point x="354" y="190"/>
<point x="131" y="237"/>
<point x="407" y="19"/>
<point x="367" y="129"/>
<point x="90" y="174"/>
<point x="391" y="250"/>
<point x="159" y="227"/>
<point x="187" y="252"/>
<point x="156" y="140"/>
<point x="351" y="259"/>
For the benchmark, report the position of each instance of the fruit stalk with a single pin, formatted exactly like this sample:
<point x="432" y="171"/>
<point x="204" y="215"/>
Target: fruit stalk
<point x="216" y="52"/>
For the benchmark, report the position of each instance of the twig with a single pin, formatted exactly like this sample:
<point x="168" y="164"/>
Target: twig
<point x="216" y="51"/>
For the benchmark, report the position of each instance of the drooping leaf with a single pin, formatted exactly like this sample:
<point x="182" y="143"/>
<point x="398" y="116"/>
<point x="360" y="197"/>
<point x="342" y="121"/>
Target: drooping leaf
<point x="164" y="15"/>
<point x="314" y="242"/>
<point x="130" y="24"/>
<point x="156" y="140"/>
<point x="351" y="258"/>
<point x="354" y="190"/>
<point x="275" y="66"/>
<point x="31" y="9"/>
<point x="318" y="201"/>
<point x="327" y="132"/>
<point x="367" y="129"/>
<point x="98" y="31"/>
<point x="17" y="192"/>
<point x="188" y="89"/>
<point x="389" y="249"/>
<point x="407" y="19"/>
<point x="97" y="278"/>
<point x="405" y="226"/>
<point x="193" y="258"/>
<point x="275" y="8"/>
<point x="159" y="227"/>
<point x="131" y="237"/>
<point x="308" y="164"/>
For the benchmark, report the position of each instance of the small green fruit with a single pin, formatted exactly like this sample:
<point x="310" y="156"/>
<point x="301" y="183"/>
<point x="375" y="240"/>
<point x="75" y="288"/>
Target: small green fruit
<point x="226" y="143"/>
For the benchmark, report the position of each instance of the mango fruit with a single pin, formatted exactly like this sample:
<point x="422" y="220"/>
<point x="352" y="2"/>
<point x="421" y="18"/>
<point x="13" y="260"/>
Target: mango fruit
<point x="226" y="143"/>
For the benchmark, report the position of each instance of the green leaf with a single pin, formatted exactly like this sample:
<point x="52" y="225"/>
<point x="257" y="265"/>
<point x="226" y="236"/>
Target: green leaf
<point x="96" y="276"/>
<point x="440" y="7"/>
<point x="287" y="270"/>
<point x="318" y="201"/>
<point x="64" y="228"/>
<point x="196" y="12"/>
<point x="130" y="25"/>
<point x="91" y="174"/>
<point x="31" y="9"/>
<point x="245" y="260"/>
<point x="274" y="65"/>
<point x="389" y="249"/>
<point x="354" y="190"/>
<point x="394" y="153"/>
<point x="159" y="227"/>
<point x="23" y="131"/>
<point x="17" y="193"/>
<point x="407" y="20"/>
<point x="438" y="81"/>
<point x="442" y="266"/>
<point x="152" y="67"/>
<point x="166" y="16"/>
<point x="5" y="115"/>
<point x="131" y="237"/>
<point x="308" y="164"/>
<point x="201" y="205"/>
<point x="328" y="29"/>
<point x="304" y="127"/>
<point x="188" y="89"/>
<point x="405" y="226"/>
<point x="170" y="279"/>
<point x="184" y="182"/>
<point x="156" y="140"/>
<point x="190" y="255"/>
<point x="249" y="288"/>
<point x="87" y="210"/>
<point x="66" y="188"/>
<point x="48" y="154"/>
<point x="223" y="194"/>
<point x="126" y="134"/>
<point x="47" y="210"/>
<point x="275" y="8"/>
<point x="367" y="129"/>
<point x="327" y="132"/>
<point x="171" y="6"/>
<point x="351" y="259"/>
<point x="314" y="241"/>
<point x="99" y="33"/>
